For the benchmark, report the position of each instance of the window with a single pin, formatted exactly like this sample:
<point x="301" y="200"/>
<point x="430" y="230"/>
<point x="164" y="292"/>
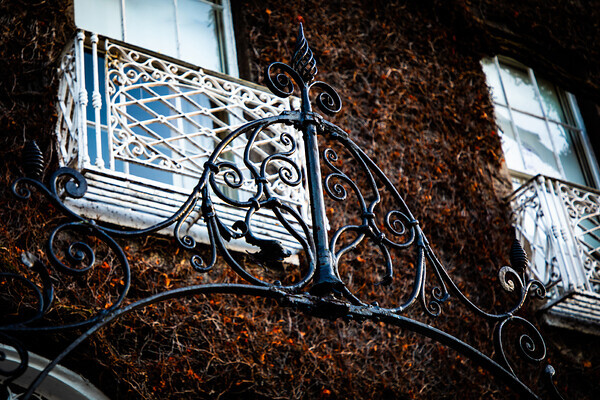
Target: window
<point x="555" y="218"/>
<point x="195" y="31"/>
<point x="140" y="124"/>
<point x="541" y="129"/>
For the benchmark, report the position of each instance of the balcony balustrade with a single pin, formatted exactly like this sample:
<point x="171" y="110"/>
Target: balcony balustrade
<point x="152" y="123"/>
<point x="559" y="225"/>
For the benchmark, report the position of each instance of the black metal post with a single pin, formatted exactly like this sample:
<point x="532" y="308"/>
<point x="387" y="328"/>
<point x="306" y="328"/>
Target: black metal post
<point x="326" y="279"/>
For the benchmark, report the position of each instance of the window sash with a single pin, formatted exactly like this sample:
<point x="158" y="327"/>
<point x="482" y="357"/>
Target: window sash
<point x="544" y="137"/>
<point x="196" y="31"/>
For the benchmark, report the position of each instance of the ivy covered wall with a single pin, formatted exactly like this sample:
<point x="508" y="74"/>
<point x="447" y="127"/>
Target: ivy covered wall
<point x="414" y="97"/>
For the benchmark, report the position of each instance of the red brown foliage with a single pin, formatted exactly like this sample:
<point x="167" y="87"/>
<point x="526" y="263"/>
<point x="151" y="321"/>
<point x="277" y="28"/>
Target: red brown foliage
<point x="415" y="99"/>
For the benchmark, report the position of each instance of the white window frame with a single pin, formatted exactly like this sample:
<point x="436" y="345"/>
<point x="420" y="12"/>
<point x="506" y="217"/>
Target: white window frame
<point x="229" y="64"/>
<point x="583" y="148"/>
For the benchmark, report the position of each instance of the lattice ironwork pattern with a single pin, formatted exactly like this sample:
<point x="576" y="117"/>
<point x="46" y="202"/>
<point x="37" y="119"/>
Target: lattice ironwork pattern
<point x="560" y="223"/>
<point x="319" y="286"/>
<point x="154" y="119"/>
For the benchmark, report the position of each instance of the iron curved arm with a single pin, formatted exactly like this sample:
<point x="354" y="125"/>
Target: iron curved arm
<point x="314" y="306"/>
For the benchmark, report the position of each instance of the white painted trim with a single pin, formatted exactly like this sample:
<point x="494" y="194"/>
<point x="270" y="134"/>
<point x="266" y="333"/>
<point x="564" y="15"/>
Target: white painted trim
<point x="585" y="140"/>
<point x="135" y="205"/>
<point x="229" y="39"/>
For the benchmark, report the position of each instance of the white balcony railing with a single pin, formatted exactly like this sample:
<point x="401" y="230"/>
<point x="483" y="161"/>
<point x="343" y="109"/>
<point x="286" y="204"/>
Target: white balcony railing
<point x="559" y="225"/>
<point x="151" y="124"/>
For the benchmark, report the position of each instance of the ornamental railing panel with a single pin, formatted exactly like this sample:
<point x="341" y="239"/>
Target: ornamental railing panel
<point x="322" y="284"/>
<point x="559" y="223"/>
<point x="142" y="126"/>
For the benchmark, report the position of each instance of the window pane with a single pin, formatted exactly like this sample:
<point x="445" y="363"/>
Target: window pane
<point x="510" y="146"/>
<point x="493" y="80"/>
<point x="519" y="90"/>
<point x="103" y="17"/>
<point x="537" y="148"/>
<point x="198" y="33"/>
<point x="563" y="139"/>
<point x="550" y="100"/>
<point x="151" y="24"/>
<point x="547" y="138"/>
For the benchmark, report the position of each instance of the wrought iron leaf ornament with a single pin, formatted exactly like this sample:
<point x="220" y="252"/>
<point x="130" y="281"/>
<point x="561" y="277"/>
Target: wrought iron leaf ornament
<point x="319" y="287"/>
<point x="303" y="61"/>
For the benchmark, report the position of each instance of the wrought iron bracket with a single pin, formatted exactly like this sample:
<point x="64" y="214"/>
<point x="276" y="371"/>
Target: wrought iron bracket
<point x="317" y="289"/>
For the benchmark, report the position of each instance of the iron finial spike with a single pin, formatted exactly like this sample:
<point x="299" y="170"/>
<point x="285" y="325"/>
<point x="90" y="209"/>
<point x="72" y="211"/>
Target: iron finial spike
<point x="303" y="61"/>
<point x="299" y="40"/>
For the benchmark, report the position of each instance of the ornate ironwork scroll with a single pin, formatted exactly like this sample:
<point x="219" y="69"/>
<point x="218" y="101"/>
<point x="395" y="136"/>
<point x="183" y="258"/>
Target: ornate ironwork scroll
<point x="319" y="288"/>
